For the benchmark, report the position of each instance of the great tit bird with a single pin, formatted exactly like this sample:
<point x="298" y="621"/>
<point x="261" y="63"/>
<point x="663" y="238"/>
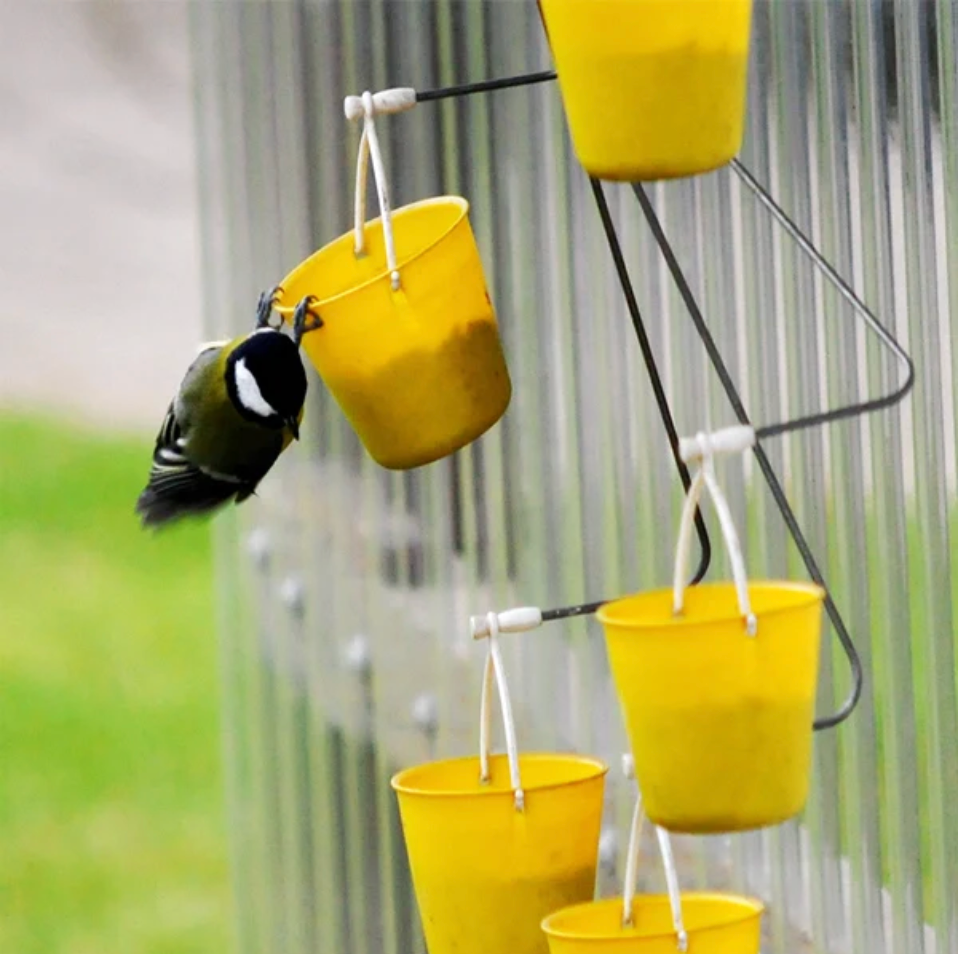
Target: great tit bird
<point x="238" y="407"/>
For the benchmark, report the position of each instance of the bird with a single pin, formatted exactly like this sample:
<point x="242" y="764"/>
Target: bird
<point x="239" y="406"/>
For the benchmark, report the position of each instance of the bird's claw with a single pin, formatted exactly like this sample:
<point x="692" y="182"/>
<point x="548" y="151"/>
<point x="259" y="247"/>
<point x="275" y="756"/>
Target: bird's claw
<point x="305" y="320"/>
<point x="264" y="308"/>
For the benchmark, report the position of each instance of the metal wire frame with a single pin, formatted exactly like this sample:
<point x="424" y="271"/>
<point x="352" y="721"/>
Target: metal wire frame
<point x="770" y="430"/>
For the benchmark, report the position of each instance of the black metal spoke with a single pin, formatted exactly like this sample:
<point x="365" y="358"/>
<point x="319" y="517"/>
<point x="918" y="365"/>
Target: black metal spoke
<point x="778" y="494"/>
<point x="485" y="86"/>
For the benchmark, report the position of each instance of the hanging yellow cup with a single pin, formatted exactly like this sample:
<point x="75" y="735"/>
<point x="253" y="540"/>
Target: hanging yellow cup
<point x="409" y="344"/>
<point x="698" y="922"/>
<point x="496" y="843"/>
<point x="716" y="924"/>
<point x="653" y="89"/>
<point x="720" y="723"/>
<point x="717" y="684"/>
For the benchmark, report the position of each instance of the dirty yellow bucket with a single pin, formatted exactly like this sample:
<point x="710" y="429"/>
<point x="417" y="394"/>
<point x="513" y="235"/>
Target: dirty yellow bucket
<point x="720" y="722"/>
<point x="497" y="843"/>
<point x="717" y="682"/>
<point x="716" y="924"/>
<point x="485" y="874"/>
<point x="652" y="89"/>
<point x="698" y="922"/>
<point x="409" y="344"/>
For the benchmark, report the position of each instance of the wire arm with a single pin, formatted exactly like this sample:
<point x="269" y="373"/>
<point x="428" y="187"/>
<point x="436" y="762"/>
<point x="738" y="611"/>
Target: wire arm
<point x="845" y="290"/>
<point x="648" y="356"/>
<point x="485" y="86"/>
<point x="778" y="494"/>
<point x="615" y="247"/>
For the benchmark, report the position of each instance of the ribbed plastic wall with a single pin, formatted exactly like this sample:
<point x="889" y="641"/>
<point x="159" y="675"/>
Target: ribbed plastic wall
<point x="346" y="589"/>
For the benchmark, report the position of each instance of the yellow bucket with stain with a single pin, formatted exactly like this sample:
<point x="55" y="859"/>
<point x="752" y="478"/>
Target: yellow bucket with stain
<point x="419" y="371"/>
<point x="715" y="924"/>
<point x="486" y="874"/>
<point x="653" y="89"/>
<point x="720" y="722"/>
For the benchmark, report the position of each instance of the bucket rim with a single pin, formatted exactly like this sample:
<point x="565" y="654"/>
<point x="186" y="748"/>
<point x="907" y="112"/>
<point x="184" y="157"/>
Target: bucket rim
<point x="814" y="593"/>
<point x="748" y="905"/>
<point x="457" y="200"/>
<point x="599" y="769"/>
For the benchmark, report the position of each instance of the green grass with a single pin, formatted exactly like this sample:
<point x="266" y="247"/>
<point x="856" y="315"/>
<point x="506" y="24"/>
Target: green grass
<point x="112" y="829"/>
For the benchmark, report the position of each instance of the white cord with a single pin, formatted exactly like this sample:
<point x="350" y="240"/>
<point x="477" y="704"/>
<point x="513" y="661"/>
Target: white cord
<point x="362" y="164"/>
<point x="672" y="885"/>
<point x="671" y="876"/>
<point x="632" y="862"/>
<point x="705" y="478"/>
<point x="369" y="150"/>
<point x="494" y="667"/>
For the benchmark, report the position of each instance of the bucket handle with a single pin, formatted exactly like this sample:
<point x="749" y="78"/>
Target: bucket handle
<point x="494" y="668"/>
<point x="703" y="447"/>
<point x="671" y="875"/>
<point x="369" y="150"/>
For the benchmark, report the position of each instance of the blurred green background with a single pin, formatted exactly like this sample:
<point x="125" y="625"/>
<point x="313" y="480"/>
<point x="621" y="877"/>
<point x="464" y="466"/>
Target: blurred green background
<point x="112" y="817"/>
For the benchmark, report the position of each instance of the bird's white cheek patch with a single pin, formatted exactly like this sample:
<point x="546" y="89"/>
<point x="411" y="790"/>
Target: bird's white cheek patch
<point x="249" y="393"/>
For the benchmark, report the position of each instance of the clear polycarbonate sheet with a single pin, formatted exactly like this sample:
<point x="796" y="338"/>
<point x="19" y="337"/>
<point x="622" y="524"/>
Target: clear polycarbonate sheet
<point x="345" y="590"/>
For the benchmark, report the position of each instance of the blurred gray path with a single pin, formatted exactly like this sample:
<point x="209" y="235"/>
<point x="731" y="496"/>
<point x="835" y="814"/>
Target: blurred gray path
<point x="99" y="301"/>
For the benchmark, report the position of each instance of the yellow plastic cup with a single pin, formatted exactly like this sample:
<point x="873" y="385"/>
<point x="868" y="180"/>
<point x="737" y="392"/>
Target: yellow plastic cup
<point x="419" y="372"/>
<point x="485" y="874"/>
<point x="715" y="923"/>
<point x="653" y="89"/>
<point x="720" y="722"/>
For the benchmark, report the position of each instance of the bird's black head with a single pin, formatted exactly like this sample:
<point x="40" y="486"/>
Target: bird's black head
<point x="266" y="380"/>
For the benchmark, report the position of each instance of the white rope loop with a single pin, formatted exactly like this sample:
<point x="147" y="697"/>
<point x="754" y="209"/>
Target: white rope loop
<point x="672" y="886"/>
<point x="671" y="876"/>
<point x="704" y="449"/>
<point x="369" y="150"/>
<point x="632" y="862"/>
<point x="494" y="668"/>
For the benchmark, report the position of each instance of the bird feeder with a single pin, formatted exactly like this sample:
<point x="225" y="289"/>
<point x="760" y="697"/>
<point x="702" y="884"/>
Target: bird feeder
<point x="717" y="683"/>
<point x="653" y="89"/>
<point x="408" y="341"/>
<point x="696" y="922"/>
<point x="498" y="842"/>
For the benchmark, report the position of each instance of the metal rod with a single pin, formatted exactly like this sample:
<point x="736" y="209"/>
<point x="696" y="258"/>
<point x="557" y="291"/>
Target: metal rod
<point x="851" y="653"/>
<point x="564" y="612"/>
<point x="649" y="357"/>
<point x="845" y="290"/>
<point x="583" y="609"/>
<point x="486" y="86"/>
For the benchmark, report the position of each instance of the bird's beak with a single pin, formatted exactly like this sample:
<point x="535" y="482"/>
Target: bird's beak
<point x="293" y="426"/>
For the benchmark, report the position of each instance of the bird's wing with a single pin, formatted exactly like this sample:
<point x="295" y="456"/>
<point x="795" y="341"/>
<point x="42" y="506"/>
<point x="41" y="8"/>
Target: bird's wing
<point x="176" y="486"/>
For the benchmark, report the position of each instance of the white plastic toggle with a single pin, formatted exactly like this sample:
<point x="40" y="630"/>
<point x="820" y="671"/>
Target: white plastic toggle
<point x="728" y="440"/>
<point x="396" y="100"/>
<point x="517" y="620"/>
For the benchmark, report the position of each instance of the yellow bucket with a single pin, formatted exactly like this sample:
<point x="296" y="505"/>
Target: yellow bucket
<point x="419" y="371"/>
<point x="697" y="922"/>
<point x="497" y="843"/>
<point x="715" y="924"/>
<point x="653" y="89"/>
<point x="720" y="722"/>
<point x="485" y="874"/>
